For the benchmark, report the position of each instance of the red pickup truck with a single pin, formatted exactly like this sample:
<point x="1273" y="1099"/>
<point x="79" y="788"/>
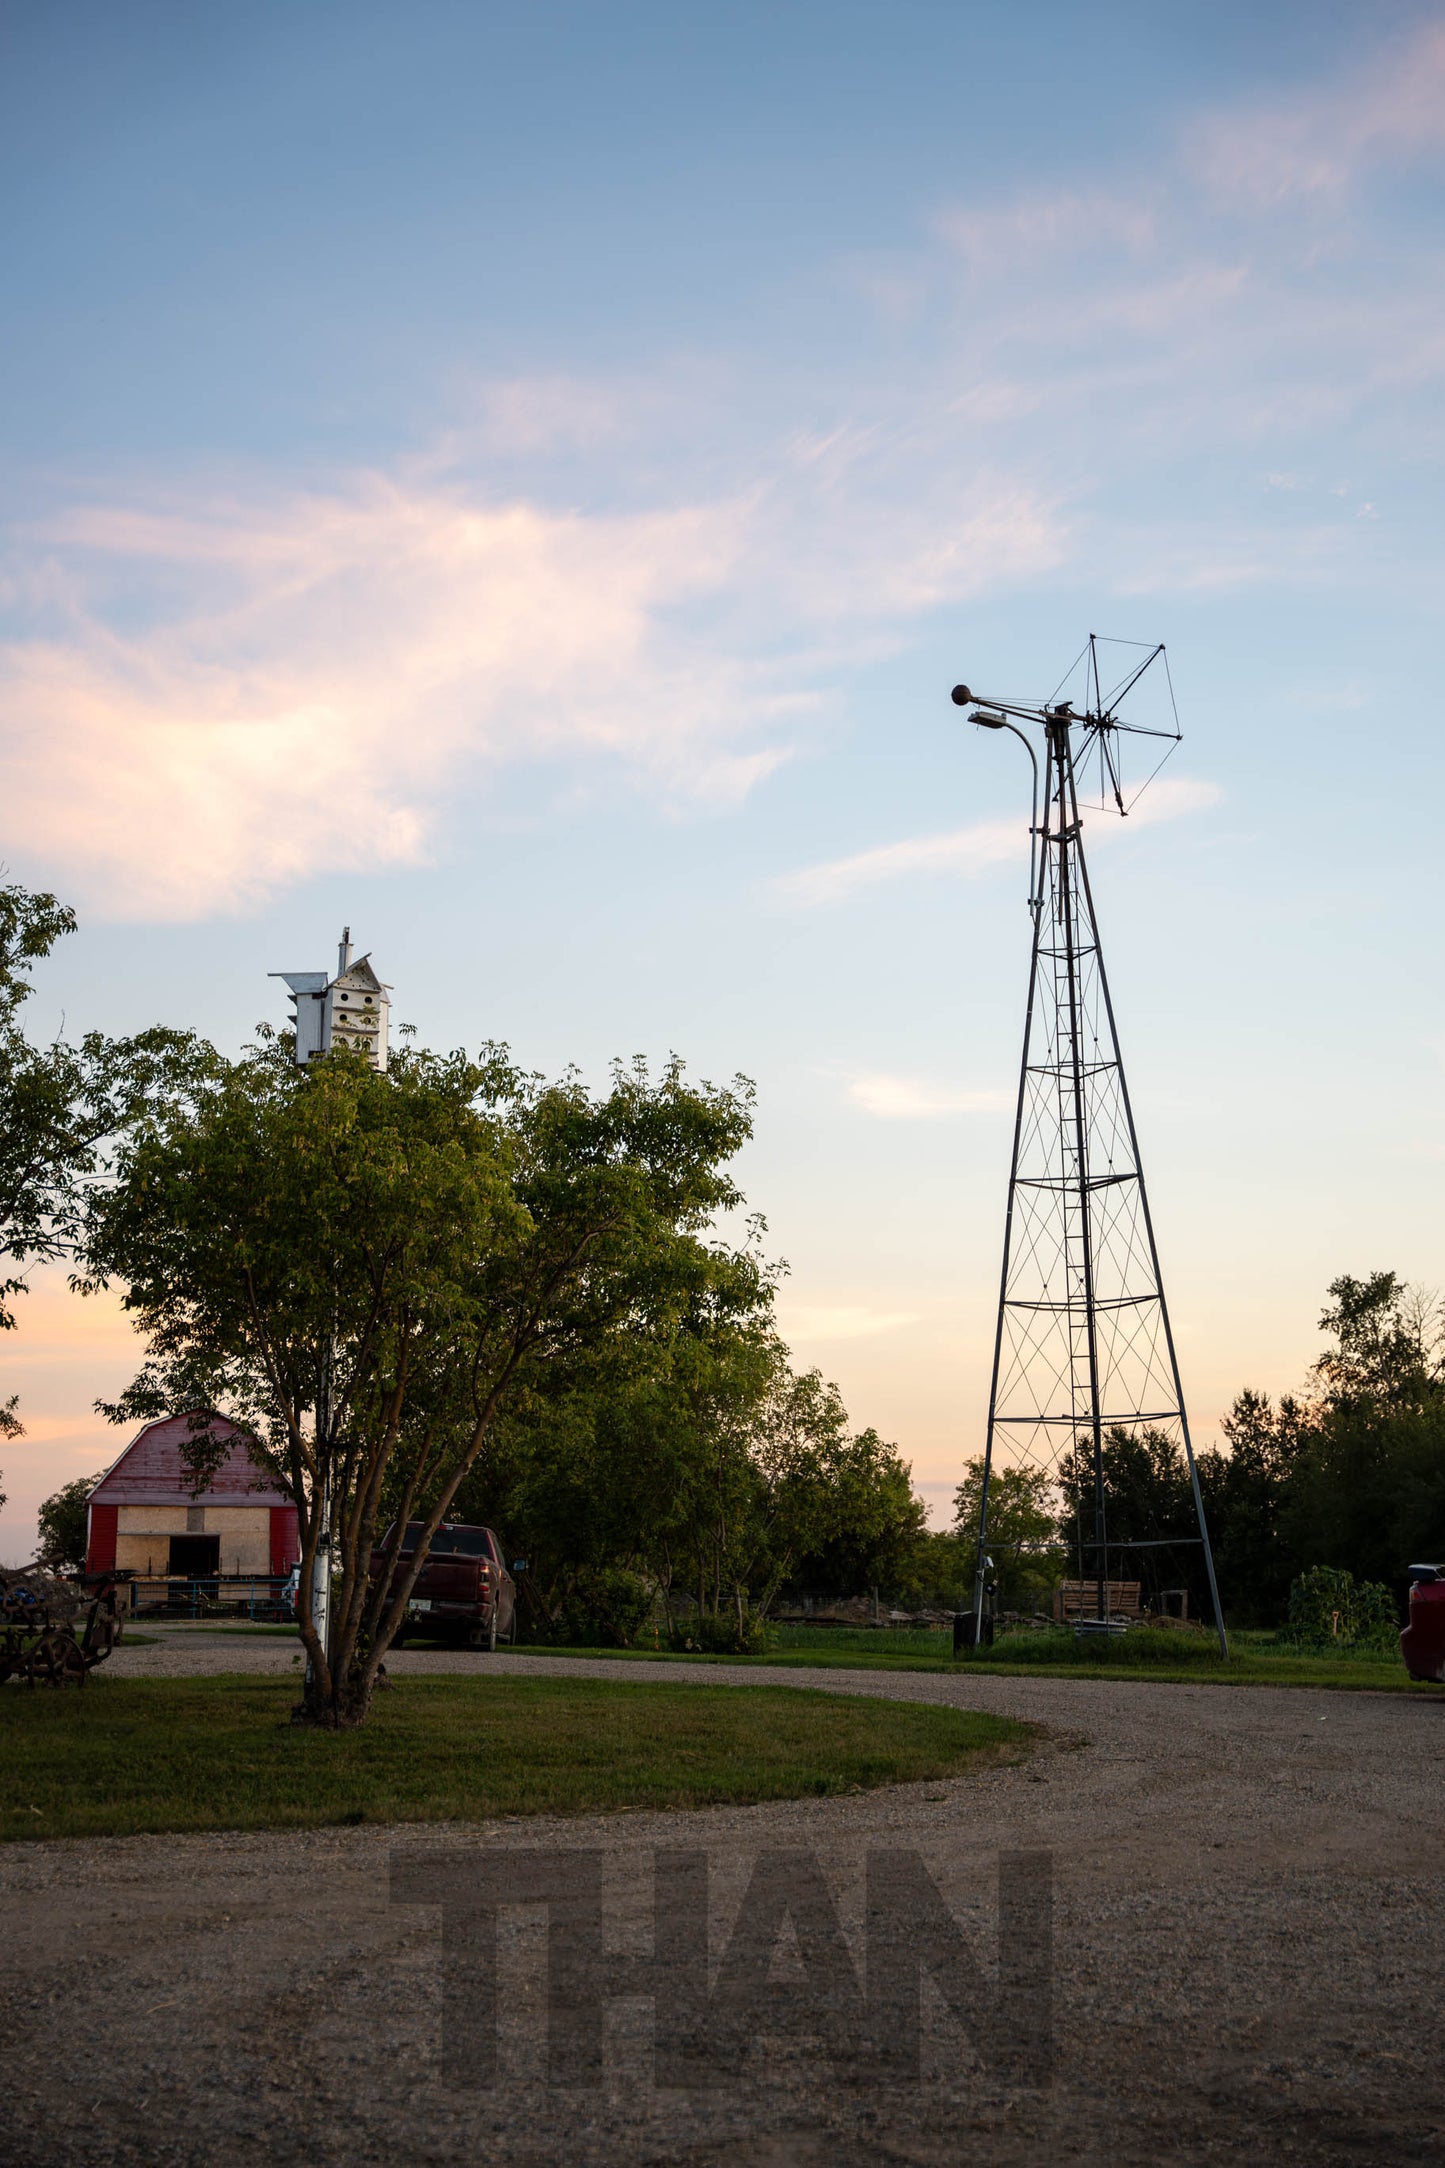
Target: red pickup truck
<point x="464" y="1591"/>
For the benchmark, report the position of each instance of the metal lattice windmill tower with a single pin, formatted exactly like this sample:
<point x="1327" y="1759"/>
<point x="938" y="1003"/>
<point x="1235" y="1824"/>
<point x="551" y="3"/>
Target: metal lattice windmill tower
<point x="1084" y="1347"/>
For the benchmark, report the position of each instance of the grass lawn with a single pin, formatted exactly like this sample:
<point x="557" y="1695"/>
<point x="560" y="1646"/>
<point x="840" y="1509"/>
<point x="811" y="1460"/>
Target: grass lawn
<point x="1257" y="1659"/>
<point x="129" y="1755"/>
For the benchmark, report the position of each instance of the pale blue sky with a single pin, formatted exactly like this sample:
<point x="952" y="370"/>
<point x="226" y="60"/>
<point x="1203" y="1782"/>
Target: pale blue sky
<point x="523" y="480"/>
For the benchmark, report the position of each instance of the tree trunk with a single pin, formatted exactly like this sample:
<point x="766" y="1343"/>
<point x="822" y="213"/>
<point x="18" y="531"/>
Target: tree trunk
<point x="346" y="1706"/>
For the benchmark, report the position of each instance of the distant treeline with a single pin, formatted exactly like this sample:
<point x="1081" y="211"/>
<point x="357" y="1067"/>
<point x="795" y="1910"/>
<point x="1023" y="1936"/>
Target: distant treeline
<point x="1350" y="1473"/>
<point x="732" y="1484"/>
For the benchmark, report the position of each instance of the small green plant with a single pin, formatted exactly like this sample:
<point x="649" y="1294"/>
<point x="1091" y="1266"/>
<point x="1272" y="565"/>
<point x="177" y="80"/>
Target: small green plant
<point x="1328" y="1608"/>
<point x="725" y="1635"/>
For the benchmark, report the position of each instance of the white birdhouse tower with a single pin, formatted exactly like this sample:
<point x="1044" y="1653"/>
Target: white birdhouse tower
<point x="350" y="1010"/>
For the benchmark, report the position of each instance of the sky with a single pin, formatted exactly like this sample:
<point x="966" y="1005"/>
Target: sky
<point x="521" y="480"/>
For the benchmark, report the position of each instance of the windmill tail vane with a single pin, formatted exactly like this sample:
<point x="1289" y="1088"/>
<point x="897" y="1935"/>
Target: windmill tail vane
<point x="1085" y="1374"/>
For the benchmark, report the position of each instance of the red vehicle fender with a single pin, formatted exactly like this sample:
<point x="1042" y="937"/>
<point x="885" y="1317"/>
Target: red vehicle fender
<point x="1422" y="1644"/>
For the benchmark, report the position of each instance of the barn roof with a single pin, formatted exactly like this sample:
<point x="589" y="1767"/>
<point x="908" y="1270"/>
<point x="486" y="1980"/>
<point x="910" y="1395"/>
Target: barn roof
<point x="152" y="1472"/>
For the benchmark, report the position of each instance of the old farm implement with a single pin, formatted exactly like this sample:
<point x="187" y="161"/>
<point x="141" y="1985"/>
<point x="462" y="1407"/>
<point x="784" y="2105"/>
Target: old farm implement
<point x="52" y="1634"/>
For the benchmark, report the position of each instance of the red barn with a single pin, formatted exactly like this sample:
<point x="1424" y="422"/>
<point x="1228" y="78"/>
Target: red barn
<point x="144" y="1516"/>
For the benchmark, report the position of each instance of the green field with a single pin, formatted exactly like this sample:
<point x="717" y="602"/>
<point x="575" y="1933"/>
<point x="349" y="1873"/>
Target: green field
<point x="131" y="1755"/>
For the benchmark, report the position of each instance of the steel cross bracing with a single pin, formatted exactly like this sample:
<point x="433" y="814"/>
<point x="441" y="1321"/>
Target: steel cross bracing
<point x="1083" y="1344"/>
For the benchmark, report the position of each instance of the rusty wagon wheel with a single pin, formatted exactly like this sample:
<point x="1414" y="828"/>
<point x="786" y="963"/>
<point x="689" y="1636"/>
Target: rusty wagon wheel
<point x="56" y="1658"/>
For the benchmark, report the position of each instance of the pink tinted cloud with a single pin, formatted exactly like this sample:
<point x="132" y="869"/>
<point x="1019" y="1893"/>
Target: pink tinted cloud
<point x="229" y="695"/>
<point x="315" y="669"/>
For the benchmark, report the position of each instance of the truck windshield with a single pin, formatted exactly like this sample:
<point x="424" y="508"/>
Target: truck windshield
<point x="449" y="1541"/>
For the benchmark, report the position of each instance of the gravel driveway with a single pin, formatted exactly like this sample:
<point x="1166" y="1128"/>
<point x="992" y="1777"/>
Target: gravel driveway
<point x="1247" y="1946"/>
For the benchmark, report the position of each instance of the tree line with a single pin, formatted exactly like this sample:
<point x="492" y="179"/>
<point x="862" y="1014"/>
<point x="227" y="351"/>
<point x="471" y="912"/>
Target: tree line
<point x="1347" y="1474"/>
<point x="460" y="1290"/>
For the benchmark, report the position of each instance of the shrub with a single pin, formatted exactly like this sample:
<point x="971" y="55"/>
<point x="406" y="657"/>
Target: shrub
<point x="603" y="1608"/>
<point x="1328" y="1607"/>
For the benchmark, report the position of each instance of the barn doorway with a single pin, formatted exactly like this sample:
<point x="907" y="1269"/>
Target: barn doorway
<point x="194" y="1557"/>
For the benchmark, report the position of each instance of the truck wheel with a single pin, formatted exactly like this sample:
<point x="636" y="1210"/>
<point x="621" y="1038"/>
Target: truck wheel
<point x="484" y="1637"/>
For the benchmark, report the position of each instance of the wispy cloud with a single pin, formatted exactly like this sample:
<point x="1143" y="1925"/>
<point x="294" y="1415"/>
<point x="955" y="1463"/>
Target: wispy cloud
<point x="1239" y="298"/>
<point x="218" y="696"/>
<point x="959" y="850"/>
<point x="332" y="661"/>
<point x="975" y="849"/>
<point x="1168" y="798"/>
<point x="1064" y="221"/>
<point x="841" y="1322"/>
<point x="911" y="1099"/>
<point x="1316" y="142"/>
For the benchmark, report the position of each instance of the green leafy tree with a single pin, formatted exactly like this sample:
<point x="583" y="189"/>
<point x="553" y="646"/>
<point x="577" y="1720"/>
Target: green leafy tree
<point x="1022" y="1538"/>
<point x="874" y="1521"/>
<point x="740" y="1438"/>
<point x="63" y="1523"/>
<point x="1369" y="1493"/>
<point x="601" y="1469"/>
<point x="936" y="1574"/>
<point x="1149" y="1504"/>
<point x="1251" y="1498"/>
<point x="62" y="1109"/>
<point x="772" y="1490"/>
<point x="364" y="1271"/>
<point x="716" y="1477"/>
<point x="1348" y="1476"/>
<point x="1388" y="1351"/>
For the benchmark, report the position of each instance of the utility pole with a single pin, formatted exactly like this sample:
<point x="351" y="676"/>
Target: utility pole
<point x="321" y="1563"/>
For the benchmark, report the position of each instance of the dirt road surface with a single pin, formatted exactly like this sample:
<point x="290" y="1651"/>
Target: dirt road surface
<point x="1248" y="1941"/>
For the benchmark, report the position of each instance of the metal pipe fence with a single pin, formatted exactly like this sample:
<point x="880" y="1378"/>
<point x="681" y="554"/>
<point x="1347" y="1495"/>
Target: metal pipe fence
<point x="209" y="1595"/>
